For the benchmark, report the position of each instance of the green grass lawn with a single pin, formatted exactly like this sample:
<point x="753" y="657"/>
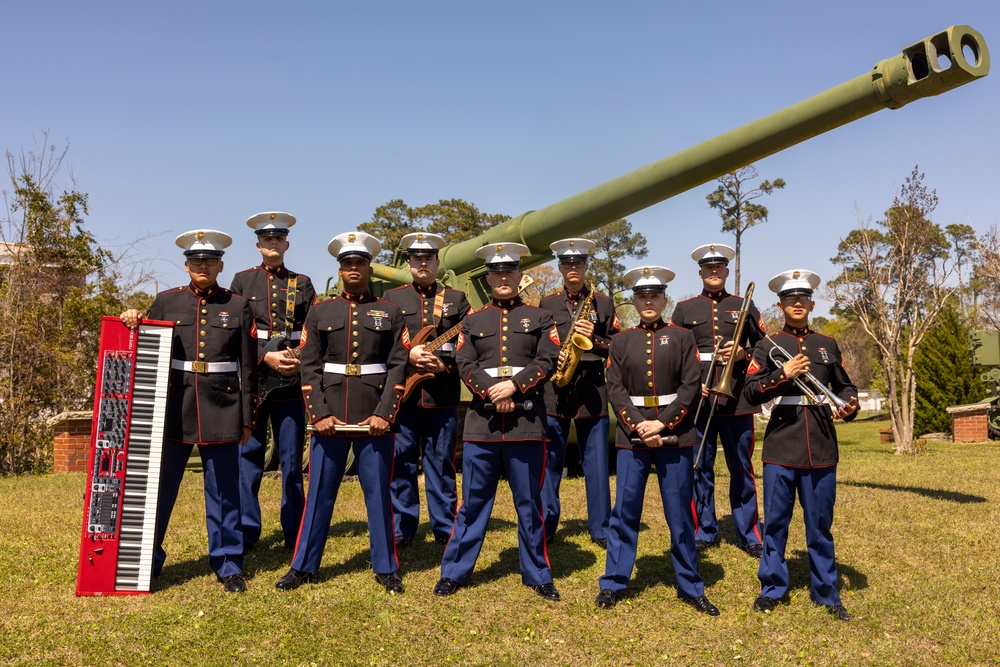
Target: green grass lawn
<point x="916" y="544"/>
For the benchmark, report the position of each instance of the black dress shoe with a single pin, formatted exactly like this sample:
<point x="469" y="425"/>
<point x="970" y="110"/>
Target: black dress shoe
<point x="838" y="611"/>
<point x="606" y="599"/>
<point x="701" y="545"/>
<point x="547" y="591"/>
<point x="702" y="604"/>
<point x="764" y="603"/>
<point x="446" y="586"/>
<point x="234" y="583"/>
<point x="391" y="581"/>
<point x="402" y="541"/>
<point x="601" y="542"/>
<point x="754" y="551"/>
<point x="293" y="579"/>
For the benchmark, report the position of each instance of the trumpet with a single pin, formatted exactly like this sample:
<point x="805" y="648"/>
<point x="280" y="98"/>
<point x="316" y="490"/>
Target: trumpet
<point x="812" y="389"/>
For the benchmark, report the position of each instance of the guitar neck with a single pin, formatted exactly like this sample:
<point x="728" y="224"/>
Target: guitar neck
<point x="443" y="338"/>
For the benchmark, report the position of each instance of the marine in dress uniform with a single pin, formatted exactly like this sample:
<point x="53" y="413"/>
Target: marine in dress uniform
<point x="269" y="288"/>
<point x="800" y="443"/>
<point x="584" y="400"/>
<point x="653" y="380"/>
<point x="428" y="420"/>
<point x="353" y="356"/>
<point x="210" y="400"/>
<point x="710" y="315"/>
<point x="505" y="352"/>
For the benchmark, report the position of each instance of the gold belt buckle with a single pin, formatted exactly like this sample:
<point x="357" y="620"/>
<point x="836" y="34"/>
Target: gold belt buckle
<point x="352" y="369"/>
<point x="650" y="401"/>
<point x="199" y="366"/>
<point x="273" y="334"/>
<point x="505" y="371"/>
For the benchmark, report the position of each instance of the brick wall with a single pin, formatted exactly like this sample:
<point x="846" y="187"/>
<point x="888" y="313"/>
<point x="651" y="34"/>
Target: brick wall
<point x="969" y="422"/>
<point x="71" y="444"/>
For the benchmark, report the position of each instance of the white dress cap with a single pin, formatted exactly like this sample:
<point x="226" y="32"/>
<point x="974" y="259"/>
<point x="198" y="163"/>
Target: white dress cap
<point x="204" y="243"/>
<point x="796" y="281"/>
<point x="713" y="253"/>
<point x="271" y="223"/>
<point x="503" y="256"/>
<point x="357" y="244"/>
<point x="649" y="279"/>
<point x="422" y="243"/>
<point x="572" y="251"/>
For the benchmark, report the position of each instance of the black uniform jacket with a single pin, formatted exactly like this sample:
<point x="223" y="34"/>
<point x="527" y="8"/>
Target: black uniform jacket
<point x="359" y="330"/>
<point x="507" y="334"/>
<point x="714" y="314"/>
<point x="266" y="289"/>
<point x="417" y="306"/>
<point x="655" y="359"/>
<point x="586" y="394"/>
<point x="215" y="326"/>
<point x="799" y="436"/>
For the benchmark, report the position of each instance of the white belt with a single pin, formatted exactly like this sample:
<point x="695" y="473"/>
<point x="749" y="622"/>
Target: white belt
<point x="355" y="369"/>
<point x="653" y="401"/>
<point x="205" y="366"/>
<point x="447" y="347"/>
<point x="590" y="356"/>
<point x="797" y="400"/>
<point x="706" y="356"/>
<point x="503" y="371"/>
<point x="264" y="334"/>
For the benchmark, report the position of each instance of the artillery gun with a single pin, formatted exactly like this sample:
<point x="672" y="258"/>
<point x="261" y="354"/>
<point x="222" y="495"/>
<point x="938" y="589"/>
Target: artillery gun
<point x="937" y="64"/>
<point x="934" y="65"/>
<point x="985" y="349"/>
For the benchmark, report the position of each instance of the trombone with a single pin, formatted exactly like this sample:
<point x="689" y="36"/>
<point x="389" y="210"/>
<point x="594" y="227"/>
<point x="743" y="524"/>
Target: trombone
<point x="814" y="391"/>
<point x="722" y="387"/>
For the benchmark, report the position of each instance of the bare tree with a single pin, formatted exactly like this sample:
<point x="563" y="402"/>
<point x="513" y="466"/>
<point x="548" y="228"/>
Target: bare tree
<point x="986" y="280"/>
<point x="734" y="200"/>
<point x="895" y="280"/>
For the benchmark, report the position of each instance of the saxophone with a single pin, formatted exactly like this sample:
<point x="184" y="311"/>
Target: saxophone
<point x="575" y="344"/>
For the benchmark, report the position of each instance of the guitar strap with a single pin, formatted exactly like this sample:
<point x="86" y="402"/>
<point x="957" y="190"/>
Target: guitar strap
<point x="290" y="304"/>
<point x="438" y="305"/>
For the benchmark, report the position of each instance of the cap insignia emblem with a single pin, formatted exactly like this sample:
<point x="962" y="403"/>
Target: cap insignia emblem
<point x="572" y="243"/>
<point x="351" y="238"/>
<point x="645" y="270"/>
<point x="796" y="275"/>
<point x="200" y="235"/>
<point x="499" y="247"/>
<point x="712" y="247"/>
<point x="272" y="216"/>
<point x="420" y="237"/>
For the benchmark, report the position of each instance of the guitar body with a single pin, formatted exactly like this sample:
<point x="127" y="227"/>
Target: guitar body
<point x="268" y="380"/>
<point x="413" y="376"/>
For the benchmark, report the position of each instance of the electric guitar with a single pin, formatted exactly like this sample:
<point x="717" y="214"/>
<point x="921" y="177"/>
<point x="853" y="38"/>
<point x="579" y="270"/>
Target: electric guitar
<point x="269" y="380"/>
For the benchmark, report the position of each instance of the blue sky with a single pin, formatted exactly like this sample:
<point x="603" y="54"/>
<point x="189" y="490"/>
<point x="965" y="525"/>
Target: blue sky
<point x="182" y="115"/>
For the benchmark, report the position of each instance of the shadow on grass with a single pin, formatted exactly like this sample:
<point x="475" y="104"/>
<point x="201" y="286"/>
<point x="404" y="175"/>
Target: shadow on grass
<point x="937" y="494"/>
<point x="798" y="573"/>
<point x="654" y="570"/>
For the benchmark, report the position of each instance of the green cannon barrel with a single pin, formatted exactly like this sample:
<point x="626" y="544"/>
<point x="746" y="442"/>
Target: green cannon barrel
<point x="929" y="67"/>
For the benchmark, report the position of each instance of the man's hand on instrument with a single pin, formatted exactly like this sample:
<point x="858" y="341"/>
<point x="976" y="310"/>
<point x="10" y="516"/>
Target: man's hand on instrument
<point x="649" y="431"/>
<point x="327" y="425"/>
<point x="704" y="391"/>
<point x="376" y="425"/>
<point x="725" y="351"/>
<point x="426" y="362"/>
<point x="281" y="362"/>
<point x="505" y="405"/>
<point x="586" y="327"/>
<point x="245" y="435"/>
<point x="501" y="391"/>
<point x="796" y="366"/>
<point x="131" y="318"/>
<point x="847" y="410"/>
